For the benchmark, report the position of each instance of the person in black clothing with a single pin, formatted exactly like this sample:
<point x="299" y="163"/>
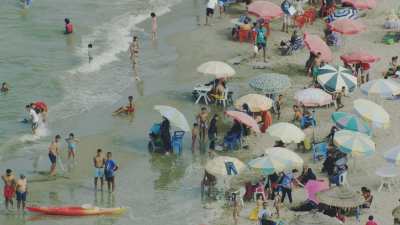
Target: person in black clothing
<point x="165" y="135"/>
<point x="272" y="185"/>
<point x="236" y="128"/>
<point x="332" y="134"/>
<point x="329" y="165"/>
<point x="307" y="175"/>
<point x="212" y="131"/>
<point x="246" y="109"/>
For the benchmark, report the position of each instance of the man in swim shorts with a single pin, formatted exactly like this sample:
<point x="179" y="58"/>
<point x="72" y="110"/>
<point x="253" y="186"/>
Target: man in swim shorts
<point x="99" y="162"/>
<point x="110" y="167"/>
<point x="22" y="190"/>
<point x="9" y="188"/>
<point x="54" y="150"/>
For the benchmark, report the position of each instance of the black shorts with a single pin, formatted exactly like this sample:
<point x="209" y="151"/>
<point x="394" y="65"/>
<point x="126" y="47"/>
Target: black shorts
<point x="109" y="178"/>
<point x="209" y="12"/>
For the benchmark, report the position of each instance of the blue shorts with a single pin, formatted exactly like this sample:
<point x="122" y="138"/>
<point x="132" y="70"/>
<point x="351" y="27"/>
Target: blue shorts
<point x="21" y="196"/>
<point x="99" y="172"/>
<point x="72" y="147"/>
<point x="53" y="158"/>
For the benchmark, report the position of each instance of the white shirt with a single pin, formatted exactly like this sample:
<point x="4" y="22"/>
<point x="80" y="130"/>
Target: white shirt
<point x="263" y="212"/>
<point x="34" y="116"/>
<point x="212" y="4"/>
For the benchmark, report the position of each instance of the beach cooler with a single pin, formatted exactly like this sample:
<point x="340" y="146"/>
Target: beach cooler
<point x="176" y="141"/>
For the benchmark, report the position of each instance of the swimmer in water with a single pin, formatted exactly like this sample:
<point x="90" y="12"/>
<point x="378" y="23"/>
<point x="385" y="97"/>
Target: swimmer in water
<point x="90" y="52"/>
<point x="134" y="54"/>
<point x="128" y="109"/>
<point x="4" y="88"/>
<point x="69" y="28"/>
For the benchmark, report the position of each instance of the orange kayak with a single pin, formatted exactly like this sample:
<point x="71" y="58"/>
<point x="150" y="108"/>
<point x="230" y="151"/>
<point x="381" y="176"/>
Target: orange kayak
<point x="76" y="210"/>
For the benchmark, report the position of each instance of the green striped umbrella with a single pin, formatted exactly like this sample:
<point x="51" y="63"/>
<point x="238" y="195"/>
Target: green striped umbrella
<point x="350" y="121"/>
<point x="333" y="79"/>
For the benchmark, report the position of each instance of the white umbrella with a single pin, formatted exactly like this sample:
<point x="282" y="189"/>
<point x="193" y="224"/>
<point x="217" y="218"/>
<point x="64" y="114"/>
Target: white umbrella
<point x="219" y="166"/>
<point x="313" y="97"/>
<point x="216" y="68"/>
<point x="286" y="132"/>
<point x="256" y="102"/>
<point x="372" y="112"/>
<point x="175" y="117"/>
<point x="382" y="87"/>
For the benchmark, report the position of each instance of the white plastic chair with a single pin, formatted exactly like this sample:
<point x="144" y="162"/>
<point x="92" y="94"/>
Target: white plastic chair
<point x="343" y="179"/>
<point x="224" y="98"/>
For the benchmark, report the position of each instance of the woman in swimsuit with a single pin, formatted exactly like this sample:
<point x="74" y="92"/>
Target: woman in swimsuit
<point x="128" y="109"/>
<point x="71" y="143"/>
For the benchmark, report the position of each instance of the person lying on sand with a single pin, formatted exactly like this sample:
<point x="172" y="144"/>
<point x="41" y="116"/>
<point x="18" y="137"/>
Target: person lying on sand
<point x="127" y="110"/>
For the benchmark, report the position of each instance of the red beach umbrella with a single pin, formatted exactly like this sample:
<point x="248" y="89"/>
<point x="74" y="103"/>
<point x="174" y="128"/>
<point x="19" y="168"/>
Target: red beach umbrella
<point x="265" y="9"/>
<point x="361" y="4"/>
<point x="359" y="57"/>
<point x="347" y="26"/>
<point x="315" y="44"/>
<point x="244" y="119"/>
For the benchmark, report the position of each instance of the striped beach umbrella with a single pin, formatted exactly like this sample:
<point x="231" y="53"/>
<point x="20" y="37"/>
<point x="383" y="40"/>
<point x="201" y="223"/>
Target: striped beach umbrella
<point x="350" y="121"/>
<point x="343" y="13"/>
<point x="312" y="97"/>
<point x="383" y="87"/>
<point x="372" y="113"/>
<point x="361" y="4"/>
<point x="355" y="143"/>
<point x="393" y="155"/>
<point x="270" y="83"/>
<point x="333" y="79"/>
<point x="276" y="160"/>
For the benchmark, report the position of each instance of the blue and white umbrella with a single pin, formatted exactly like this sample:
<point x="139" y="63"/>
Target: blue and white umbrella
<point x="344" y="13"/>
<point x="393" y="155"/>
<point x="332" y="79"/>
<point x="386" y="88"/>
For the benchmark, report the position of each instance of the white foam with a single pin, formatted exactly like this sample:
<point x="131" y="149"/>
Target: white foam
<point x="41" y="131"/>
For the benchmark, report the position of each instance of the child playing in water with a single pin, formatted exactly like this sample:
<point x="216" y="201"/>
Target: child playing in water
<point x="90" y="53"/>
<point x="4" y="87"/>
<point x="195" y="133"/>
<point x="153" y="26"/>
<point x="71" y="142"/>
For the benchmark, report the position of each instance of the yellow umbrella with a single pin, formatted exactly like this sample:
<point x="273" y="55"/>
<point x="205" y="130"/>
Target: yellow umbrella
<point x="256" y="102"/>
<point x="286" y="132"/>
<point x="372" y="112"/>
<point x="219" y="166"/>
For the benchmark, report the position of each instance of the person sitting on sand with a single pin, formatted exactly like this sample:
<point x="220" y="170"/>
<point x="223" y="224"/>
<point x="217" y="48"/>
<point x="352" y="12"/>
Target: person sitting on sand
<point x="128" y="109"/>
<point x="4" y="88"/>
<point x="366" y="193"/>
<point x="264" y="216"/>
<point x="394" y="67"/>
<point x="306" y="175"/>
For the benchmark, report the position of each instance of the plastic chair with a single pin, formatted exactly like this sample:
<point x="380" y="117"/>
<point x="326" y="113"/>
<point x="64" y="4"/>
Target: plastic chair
<point x="243" y="35"/>
<point x="320" y="149"/>
<point x="343" y="179"/>
<point x="222" y="99"/>
<point x="176" y="141"/>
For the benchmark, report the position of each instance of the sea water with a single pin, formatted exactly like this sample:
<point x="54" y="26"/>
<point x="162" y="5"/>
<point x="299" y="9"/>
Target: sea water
<point x="39" y="62"/>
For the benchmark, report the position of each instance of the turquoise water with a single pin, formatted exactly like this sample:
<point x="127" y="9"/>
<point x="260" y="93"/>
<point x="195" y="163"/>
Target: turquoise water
<point x="40" y="63"/>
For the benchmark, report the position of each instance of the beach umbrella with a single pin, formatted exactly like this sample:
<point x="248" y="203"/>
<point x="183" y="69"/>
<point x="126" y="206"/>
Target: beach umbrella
<point x="216" y="68"/>
<point x="355" y="143"/>
<point x="361" y="4"/>
<point x="265" y="9"/>
<point x="286" y="132"/>
<point x="270" y="83"/>
<point x="315" y="44"/>
<point x="383" y="87"/>
<point x="359" y="57"/>
<point x="175" y="117"/>
<point x="256" y="102"/>
<point x="276" y="160"/>
<point x="314" y="186"/>
<point x="312" y="217"/>
<point x="218" y="166"/>
<point x="313" y="97"/>
<point x="341" y="197"/>
<point x="347" y="26"/>
<point x="393" y="155"/>
<point x="244" y="119"/>
<point x="349" y="121"/>
<point x="333" y="79"/>
<point x="343" y="13"/>
<point x="372" y="113"/>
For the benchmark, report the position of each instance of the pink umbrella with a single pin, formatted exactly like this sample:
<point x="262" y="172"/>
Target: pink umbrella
<point x="314" y="186"/>
<point x="347" y="26"/>
<point x="265" y="9"/>
<point x="361" y="4"/>
<point x="315" y="44"/>
<point x="313" y="97"/>
<point x="359" y="57"/>
<point x="244" y="119"/>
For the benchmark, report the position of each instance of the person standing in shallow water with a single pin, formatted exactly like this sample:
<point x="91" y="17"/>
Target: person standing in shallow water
<point x="54" y="150"/>
<point x="99" y="162"/>
<point x="9" y="188"/>
<point x="153" y="26"/>
<point x="110" y="167"/>
<point x="134" y="54"/>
